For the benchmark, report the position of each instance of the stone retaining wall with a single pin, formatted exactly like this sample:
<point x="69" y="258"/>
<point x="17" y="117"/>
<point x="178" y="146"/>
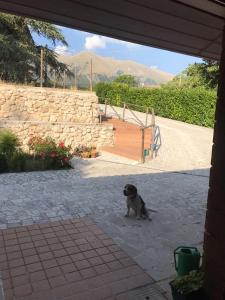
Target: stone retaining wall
<point x="49" y="105"/>
<point x="72" y="134"/>
<point x="64" y="115"/>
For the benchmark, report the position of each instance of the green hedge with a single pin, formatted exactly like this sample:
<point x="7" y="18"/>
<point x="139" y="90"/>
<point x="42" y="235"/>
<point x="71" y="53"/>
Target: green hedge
<point x="191" y="105"/>
<point x="23" y="162"/>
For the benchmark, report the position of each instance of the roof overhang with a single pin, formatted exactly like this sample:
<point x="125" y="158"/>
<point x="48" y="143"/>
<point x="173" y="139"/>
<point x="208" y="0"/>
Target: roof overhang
<point x="191" y="27"/>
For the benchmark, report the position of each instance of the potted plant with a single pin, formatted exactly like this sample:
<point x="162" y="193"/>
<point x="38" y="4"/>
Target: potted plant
<point x="94" y="152"/>
<point x="85" y="152"/>
<point x="188" y="287"/>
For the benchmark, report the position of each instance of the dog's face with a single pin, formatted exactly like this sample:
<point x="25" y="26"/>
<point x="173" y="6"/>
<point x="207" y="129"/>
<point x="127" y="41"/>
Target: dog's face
<point x="130" y="190"/>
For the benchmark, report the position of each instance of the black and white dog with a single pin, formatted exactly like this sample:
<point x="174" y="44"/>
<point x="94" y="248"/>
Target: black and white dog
<point x="135" y="202"/>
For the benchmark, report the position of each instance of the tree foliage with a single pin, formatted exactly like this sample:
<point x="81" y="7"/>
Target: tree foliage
<point x="126" y="79"/>
<point x="204" y="74"/>
<point x="20" y="55"/>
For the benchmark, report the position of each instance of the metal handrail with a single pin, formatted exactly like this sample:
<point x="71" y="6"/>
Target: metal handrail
<point x="127" y="105"/>
<point x="143" y="126"/>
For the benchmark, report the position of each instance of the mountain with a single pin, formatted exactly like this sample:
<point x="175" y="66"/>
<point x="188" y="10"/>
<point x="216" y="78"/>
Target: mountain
<point x="107" y="69"/>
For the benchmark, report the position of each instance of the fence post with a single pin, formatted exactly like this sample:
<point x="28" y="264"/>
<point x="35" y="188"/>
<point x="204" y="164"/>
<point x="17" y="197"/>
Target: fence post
<point x="54" y="78"/>
<point x="92" y="115"/>
<point x="64" y="79"/>
<point x="41" y="69"/>
<point x="105" y="107"/>
<point x="152" y="133"/>
<point x="142" y="144"/>
<point x="124" y="109"/>
<point x="146" y="117"/>
<point x="91" y="75"/>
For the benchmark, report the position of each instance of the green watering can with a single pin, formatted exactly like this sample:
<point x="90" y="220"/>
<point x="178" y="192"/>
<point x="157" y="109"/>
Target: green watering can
<point x="186" y="259"/>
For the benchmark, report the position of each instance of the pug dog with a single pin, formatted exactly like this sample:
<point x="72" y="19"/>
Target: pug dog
<point x="135" y="202"/>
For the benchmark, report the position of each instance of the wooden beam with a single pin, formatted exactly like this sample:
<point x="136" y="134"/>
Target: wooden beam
<point x="214" y="238"/>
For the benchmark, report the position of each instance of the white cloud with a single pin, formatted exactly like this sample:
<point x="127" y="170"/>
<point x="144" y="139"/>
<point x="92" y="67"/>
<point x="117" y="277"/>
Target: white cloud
<point x="94" y="42"/>
<point x="154" y="67"/>
<point x="62" y="50"/>
<point x="97" y="41"/>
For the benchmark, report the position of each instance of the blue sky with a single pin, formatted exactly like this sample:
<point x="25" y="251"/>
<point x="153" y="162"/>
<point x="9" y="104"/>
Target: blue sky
<point x="156" y="58"/>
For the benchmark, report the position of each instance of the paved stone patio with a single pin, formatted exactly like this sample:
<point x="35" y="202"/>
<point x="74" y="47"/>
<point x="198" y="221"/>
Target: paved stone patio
<point x="94" y="188"/>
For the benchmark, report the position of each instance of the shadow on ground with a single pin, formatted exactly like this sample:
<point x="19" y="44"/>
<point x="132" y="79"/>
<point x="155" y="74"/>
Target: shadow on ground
<point x="95" y="189"/>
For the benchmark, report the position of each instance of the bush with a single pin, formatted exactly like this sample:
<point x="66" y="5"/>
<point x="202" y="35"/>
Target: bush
<point x="17" y="161"/>
<point x="195" y="105"/>
<point x="55" y="156"/>
<point x="39" y="164"/>
<point x="3" y="163"/>
<point x="8" y="143"/>
<point x="47" y="155"/>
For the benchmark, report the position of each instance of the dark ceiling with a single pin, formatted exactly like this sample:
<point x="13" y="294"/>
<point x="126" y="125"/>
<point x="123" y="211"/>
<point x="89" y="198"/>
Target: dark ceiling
<point x="187" y="26"/>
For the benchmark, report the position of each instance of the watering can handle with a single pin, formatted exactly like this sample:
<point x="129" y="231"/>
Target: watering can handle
<point x="185" y="247"/>
<point x="175" y="260"/>
<point x="175" y="254"/>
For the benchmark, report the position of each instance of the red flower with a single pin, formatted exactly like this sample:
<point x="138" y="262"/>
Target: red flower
<point x="53" y="154"/>
<point x="66" y="159"/>
<point x="61" y="145"/>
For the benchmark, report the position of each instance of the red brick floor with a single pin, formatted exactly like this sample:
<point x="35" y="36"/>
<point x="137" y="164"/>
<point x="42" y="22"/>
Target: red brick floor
<point x="67" y="260"/>
<point x="127" y="139"/>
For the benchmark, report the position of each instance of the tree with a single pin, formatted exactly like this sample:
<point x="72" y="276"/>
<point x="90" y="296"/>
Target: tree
<point x="206" y="72"/>
<point x="126" y="79"/>
<point x="198" y="74"/>
<point x="20" y="55"/>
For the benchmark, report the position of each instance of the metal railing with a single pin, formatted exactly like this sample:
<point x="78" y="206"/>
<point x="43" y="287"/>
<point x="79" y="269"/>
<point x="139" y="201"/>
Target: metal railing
<point x="149" y="112"/>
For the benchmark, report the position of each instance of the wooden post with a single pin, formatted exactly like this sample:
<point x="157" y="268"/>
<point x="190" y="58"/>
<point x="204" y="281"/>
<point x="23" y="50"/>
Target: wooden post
<point x="142" y="144"/>
<point x="91" y="75"/>
<point x="54" y="78"/>
<point x="124" y="109"/>
<point x="214" y="241"/>
<point x="64" y="79"/>
<point x="92" y="113"/>
<point x="41" y="69"/>
<point x="75" y="77"/>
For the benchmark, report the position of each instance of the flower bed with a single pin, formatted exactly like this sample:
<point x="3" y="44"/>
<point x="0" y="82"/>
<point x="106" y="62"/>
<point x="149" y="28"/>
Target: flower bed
<point x="85" y="152"/>
<point x="44" y="154"/>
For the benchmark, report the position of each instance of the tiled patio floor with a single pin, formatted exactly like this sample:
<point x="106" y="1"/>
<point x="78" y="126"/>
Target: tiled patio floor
<point x="68" y="260"/>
